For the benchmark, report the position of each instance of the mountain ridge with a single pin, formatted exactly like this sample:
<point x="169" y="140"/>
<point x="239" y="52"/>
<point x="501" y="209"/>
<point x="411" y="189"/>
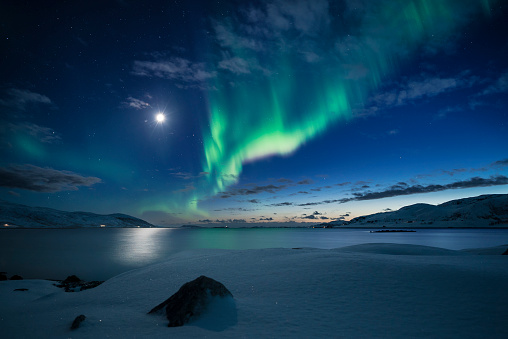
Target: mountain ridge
<point x="490" y="210"/>
<point x="22" y="216"/>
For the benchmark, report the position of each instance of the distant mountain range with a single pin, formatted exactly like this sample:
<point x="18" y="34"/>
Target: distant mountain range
<point x="16" y="215"/>
<point x="482" y="211"/>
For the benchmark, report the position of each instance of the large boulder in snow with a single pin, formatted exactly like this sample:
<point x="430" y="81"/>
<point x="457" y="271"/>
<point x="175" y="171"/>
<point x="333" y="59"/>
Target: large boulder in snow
<point x="191" y="300"/>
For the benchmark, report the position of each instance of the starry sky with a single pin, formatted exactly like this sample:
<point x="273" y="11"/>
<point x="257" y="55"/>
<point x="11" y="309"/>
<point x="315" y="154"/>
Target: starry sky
<point x="274" y="111"/>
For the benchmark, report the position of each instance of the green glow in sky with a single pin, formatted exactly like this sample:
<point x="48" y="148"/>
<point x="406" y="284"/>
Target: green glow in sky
<point x="277" y="114"/>
<point x="293" y="85"/>
<point x="265" y="119"/>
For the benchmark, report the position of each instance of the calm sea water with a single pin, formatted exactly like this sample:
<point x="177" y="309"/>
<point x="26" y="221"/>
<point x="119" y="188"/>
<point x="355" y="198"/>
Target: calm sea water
<point x="98" y="254"/>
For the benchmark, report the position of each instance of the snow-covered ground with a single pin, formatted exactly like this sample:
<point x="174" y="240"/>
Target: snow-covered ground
<point x="362" y="291"/>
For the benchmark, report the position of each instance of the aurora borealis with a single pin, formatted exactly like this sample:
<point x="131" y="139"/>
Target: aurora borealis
<point x="276" y="111"/>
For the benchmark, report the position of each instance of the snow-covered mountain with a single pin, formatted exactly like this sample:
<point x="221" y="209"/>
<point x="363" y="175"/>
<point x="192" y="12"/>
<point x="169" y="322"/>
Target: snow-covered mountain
<point x="16" y="215"/>
<point x="482" y="211"/>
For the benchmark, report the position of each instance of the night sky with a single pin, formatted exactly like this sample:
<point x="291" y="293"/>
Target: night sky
<point x="274" y="111"/>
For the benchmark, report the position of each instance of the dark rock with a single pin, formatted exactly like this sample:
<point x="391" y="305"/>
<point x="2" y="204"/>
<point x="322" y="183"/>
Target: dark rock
<point x="73" y="284"/>
<point x="21" y="289"/>
<point x="77" y="322"/>
<point x="16" y="277"/>
<point x="3" y="276"/>
<point x="505" y="252"/>
<point x="191" y="300"/>
<point x="72" y="279"/>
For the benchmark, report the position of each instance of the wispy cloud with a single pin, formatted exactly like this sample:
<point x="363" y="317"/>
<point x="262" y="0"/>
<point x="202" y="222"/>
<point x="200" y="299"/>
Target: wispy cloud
<point x="314" y="217"/>
<point x="270" y="188"/>
<point x="235" y="65"/>
<point x="188" y="175"/>
<point x="402" y="189"/>
<point x="280" y="204"/>
<point x="499" y="86"/>
<point x="38" y="179"/>
<point x="41" y="133"/>
<point x="20" y="99"/>
<point x="270" y="28"/>
<point x="443" y="113"/>
<point x="500" y="163"/>
<point x="136" y="103"/>
<point x="230" y="221"/>
<point x="416" y="89"/>
<point x="185" y="72"/>
<point x="228" y="38"/>
<point x="253" y="190"/>
<point x="305" y="16"/>
<point x="492" y="166"/>
<point x="187" y="188"/>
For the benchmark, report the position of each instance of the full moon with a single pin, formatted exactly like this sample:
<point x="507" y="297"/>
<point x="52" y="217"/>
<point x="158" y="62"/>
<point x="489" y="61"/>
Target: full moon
<point x="160" y="118"/>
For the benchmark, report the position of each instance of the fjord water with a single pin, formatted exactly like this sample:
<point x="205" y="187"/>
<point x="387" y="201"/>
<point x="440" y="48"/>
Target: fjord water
<point x="98" y="254"/>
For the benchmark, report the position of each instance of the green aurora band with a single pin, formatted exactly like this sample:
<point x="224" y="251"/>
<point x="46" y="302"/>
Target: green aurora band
<point x="288" y="101"/>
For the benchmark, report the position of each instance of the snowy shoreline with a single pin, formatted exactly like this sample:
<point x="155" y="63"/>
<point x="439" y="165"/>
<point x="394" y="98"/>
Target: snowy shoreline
<point x="369" y="290"/>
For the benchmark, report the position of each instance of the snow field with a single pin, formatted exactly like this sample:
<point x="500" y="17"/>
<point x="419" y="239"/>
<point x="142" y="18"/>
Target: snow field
<point x="371" y="290"/>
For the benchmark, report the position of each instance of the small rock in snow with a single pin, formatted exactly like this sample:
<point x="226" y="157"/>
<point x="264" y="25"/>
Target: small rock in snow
<point x="16" y="277"/>
<point x="505" y="252"/>
<point x="21" y="289"/>
<point x="79" y="319"/>
<point x="191" y="300"/>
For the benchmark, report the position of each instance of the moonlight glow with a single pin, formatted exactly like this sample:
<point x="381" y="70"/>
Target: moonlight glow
<point x="160" y="117"/>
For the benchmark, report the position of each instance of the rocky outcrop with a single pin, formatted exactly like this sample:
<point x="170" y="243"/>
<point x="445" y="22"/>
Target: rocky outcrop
<point x="73" y="284"/>
<point x="191" y="300"/>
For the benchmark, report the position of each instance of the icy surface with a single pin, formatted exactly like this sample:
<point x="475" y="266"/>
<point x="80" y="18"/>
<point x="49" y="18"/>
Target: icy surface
<point x="369" y="291"/>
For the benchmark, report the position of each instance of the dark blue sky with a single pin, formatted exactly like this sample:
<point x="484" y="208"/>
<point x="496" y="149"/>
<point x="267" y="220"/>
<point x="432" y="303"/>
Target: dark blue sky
<point x="283" y="111"/>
